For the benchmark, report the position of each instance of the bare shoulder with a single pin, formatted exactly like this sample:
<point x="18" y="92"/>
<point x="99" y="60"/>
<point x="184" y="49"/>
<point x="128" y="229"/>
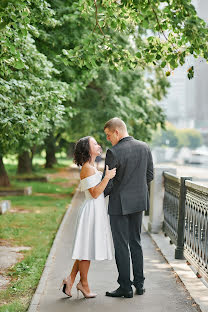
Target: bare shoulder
<point x="86" y="171"/>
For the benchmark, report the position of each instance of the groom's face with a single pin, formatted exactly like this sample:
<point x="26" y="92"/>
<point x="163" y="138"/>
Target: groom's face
<point x="112" y="136"/>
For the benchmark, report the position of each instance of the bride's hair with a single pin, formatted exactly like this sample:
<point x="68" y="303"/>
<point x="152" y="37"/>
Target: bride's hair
<point x="82" y="151"/>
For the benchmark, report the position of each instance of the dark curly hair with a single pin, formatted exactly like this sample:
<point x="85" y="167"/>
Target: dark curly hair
<point x="82" y="151"/>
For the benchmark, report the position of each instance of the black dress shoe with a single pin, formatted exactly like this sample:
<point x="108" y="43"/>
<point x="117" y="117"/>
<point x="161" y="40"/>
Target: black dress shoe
<point x="140" y="291"/>
<point x="120" y="293"/>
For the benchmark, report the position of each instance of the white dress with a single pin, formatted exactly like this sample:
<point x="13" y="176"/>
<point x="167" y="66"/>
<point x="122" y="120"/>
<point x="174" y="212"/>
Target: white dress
<point x="93" y="236"/>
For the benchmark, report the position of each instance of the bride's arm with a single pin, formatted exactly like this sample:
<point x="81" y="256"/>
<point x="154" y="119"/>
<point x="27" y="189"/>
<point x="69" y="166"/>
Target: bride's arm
<point x="98" y="189"/>
<point x="111" y="161"/>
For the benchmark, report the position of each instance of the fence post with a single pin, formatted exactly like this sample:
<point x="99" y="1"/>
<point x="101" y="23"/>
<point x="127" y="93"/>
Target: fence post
<point x="181" y="219"/>
<point x="156" y="215"/>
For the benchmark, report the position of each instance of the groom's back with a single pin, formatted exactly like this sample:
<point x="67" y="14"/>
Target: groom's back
<point x="134" y="170"/>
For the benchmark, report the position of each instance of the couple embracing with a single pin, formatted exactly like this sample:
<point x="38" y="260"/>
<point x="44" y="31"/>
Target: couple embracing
<point x="128" y="170"/>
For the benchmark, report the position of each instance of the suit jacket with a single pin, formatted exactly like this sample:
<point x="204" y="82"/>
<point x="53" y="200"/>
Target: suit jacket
<point x="128" y="190"/>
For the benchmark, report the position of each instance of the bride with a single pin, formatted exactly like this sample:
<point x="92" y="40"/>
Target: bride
<point x="92" y="239"/>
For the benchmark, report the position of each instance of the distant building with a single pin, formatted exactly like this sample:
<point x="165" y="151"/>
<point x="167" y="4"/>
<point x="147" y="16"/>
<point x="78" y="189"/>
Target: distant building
<point x="186" y="105"/>
<point x="201" y="80"/>
<point x="174" y="103"/>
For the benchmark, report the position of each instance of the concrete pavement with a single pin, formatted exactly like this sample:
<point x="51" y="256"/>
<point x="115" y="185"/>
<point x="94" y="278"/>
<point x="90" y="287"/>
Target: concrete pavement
<point x="164" y="291"/>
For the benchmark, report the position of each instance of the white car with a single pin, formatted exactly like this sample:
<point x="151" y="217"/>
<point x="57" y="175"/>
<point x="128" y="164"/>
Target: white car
<point x="197" y="158"/>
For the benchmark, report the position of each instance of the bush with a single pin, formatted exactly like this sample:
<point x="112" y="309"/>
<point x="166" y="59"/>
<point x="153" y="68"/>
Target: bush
<point x="173" y="137"/>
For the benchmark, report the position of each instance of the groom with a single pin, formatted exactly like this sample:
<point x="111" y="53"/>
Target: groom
<point x="128" y="198"/>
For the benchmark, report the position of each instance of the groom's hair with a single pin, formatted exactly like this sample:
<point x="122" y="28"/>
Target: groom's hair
<point x="115" y="123"/>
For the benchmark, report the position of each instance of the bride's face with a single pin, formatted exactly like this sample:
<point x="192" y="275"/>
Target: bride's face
<point x="95" y="148"/>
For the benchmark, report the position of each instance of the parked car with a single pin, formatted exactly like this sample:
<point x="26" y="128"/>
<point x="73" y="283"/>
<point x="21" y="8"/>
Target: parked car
<point x="197" y="158"/>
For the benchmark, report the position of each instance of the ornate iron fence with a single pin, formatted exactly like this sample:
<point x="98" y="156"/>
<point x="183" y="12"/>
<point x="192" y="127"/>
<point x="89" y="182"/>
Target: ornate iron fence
<point x="196" y="227"/>
<point x="186" y="220"/>
<point x="171" y="205"/>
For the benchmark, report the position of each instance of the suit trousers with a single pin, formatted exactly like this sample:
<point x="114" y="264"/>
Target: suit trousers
<point x="126" y="231"/>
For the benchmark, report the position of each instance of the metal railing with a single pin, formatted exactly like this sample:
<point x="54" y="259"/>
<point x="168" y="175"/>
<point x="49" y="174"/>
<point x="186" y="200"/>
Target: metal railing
<point x="171" y="206"/>
<point x="186" y="220"/>
<point x="196" y="227"/>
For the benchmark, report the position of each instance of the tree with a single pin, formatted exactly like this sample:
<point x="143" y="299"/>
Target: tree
<point x="82" y="78"/>
<point x="30" y="96"/>
<point x="168" y="30"/>
<point x="123" y="94"/>
<point x="28" y="102"/>
<point x="173" y="137"/>
<point x="190" y="138"/>
<point x="121" y="35"/>
<point x="17" y="19"/>
<point x="166" y="137"/>
<point x="172" y="31"/>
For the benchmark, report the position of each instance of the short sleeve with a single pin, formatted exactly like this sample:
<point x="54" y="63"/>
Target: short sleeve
<point x="89" y="182"/>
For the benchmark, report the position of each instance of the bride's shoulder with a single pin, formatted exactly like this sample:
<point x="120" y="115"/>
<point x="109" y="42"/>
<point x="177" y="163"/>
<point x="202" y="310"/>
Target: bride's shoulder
<point x="86" y="171"/>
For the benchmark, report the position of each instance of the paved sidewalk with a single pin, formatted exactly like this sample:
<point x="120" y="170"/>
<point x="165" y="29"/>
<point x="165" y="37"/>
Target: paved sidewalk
<point x="164" y="292"/>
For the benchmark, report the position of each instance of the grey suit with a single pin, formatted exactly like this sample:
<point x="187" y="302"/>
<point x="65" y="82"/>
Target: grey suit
<point x="128" y="198"/>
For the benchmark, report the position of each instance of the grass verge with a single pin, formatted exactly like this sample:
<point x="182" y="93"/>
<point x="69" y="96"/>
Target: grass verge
<point x="33" y="223"/>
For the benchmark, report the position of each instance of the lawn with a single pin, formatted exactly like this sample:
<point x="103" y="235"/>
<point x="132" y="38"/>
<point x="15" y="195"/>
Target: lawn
<point x="33" y="222"/>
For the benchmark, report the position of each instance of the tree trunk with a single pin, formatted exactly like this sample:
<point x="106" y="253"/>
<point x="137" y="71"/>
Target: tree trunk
<point x="24" y="163"/>
<point x="33" y="150"/>
<point x="50" y="151"/>
<point x="4" y="179"/>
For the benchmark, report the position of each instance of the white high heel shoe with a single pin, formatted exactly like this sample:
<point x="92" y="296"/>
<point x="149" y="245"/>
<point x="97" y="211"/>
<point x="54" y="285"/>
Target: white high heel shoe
<point x="66" y="283"/>
<point x="85" y="294"/>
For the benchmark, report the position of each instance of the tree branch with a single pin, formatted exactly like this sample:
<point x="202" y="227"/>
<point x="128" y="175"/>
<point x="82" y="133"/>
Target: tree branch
<point x="160" y="27"/>
<point x="96" y="17"/>
<point x="93" y="86"/>
<point x="158" y="21"/>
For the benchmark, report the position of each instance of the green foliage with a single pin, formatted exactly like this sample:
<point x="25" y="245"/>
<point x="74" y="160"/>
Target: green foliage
<point x="29" y="95"/>
<point x="43" y="82"/>
<point x="125" y="94"/>
<point x="173" y="137"/>
<point x="190" y="138"/>
<point x="166" y="137"/>
<point x="17" y="19"/>
<point x="99" y="83"/>
<point x="167" y="31"/>
<point x="172" y="31"/>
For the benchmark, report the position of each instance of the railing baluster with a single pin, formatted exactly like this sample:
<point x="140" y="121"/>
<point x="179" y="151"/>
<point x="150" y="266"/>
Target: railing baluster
<point x="181" y="219"/>
<point x="170" y="205"/>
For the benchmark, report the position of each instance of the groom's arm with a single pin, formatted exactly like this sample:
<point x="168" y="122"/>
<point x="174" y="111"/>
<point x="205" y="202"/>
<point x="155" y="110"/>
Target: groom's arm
<point x="110" y="160"/>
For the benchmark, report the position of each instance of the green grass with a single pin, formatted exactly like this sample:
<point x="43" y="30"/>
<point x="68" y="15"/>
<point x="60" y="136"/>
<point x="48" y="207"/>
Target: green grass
<point x="36" y="228"/>
<point x="58" y="180"/>
<point x="39" y="187"/>
<point x="15" y="306"/>
<point x="38" y="166"/>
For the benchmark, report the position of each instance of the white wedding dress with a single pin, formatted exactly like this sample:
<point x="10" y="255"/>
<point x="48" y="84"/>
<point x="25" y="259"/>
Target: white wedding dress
<point x="93" y="236"/>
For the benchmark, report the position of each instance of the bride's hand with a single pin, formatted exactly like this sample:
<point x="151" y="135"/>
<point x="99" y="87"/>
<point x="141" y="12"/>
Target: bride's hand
<point x="110" y="174"/>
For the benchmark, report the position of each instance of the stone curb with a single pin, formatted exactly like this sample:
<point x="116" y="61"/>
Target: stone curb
<point x="5" y="205"/>
<point x="195" y="286"/>
<point x="43" y="280"/>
